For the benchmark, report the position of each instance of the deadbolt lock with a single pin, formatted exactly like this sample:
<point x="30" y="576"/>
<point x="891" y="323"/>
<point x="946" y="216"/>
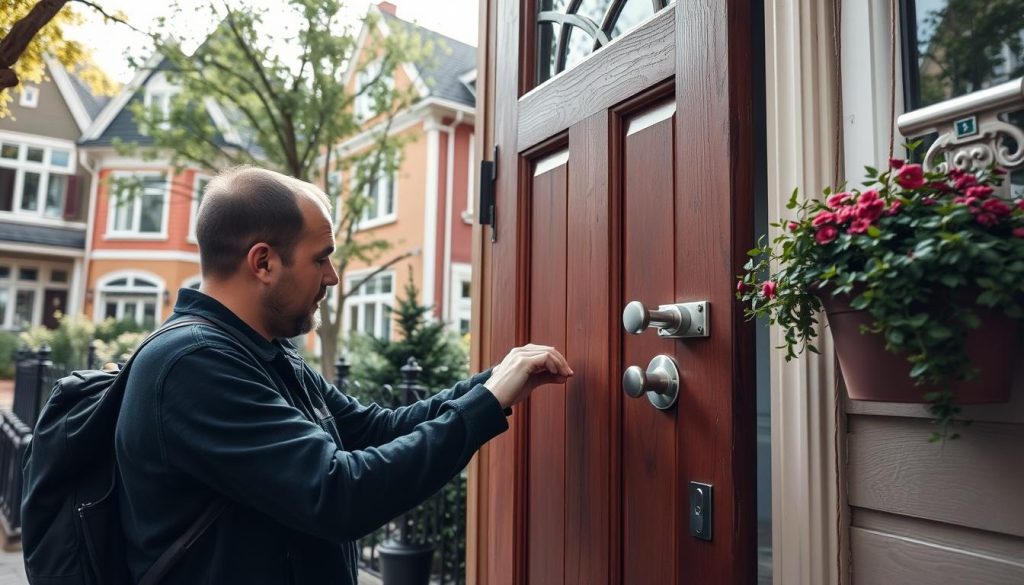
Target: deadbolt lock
<point x="676" y="321"/>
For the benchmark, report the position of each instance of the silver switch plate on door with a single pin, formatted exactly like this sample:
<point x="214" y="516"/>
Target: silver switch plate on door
<point x="701" y="506"/>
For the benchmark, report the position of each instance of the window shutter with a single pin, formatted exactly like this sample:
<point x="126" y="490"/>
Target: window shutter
<point x="72" y="198"/>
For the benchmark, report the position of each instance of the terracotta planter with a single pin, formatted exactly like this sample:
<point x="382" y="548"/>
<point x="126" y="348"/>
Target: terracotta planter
<point x="872" y="373"/>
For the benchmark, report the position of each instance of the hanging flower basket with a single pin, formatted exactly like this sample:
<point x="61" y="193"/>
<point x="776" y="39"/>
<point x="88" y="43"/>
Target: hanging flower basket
<point x="921" y="275"/>
<point x="870" y="372"/>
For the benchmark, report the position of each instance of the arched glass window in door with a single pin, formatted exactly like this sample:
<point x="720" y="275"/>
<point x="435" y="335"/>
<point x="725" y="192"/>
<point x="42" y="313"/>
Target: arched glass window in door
<point x="569" y="30"/>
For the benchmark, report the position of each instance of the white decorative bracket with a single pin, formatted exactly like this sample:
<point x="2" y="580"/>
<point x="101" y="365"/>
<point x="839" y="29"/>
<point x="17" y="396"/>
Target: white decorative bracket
<point x="971" y="135"/>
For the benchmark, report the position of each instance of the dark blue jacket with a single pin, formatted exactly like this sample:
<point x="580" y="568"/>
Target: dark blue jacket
<point x="215" y="412"/>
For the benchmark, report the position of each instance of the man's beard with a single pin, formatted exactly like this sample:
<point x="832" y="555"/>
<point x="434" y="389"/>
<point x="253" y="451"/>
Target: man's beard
<point x="285" y="325"/>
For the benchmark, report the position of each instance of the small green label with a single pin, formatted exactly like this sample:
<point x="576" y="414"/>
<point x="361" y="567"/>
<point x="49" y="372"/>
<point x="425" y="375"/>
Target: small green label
<point x="966" y="127"/>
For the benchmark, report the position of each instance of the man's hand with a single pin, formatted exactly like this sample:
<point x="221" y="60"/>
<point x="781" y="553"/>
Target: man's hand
<point x="525" y="368"/>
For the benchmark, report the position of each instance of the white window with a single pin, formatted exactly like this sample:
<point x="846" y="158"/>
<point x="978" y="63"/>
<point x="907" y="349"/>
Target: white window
<point x="29" y="96"/>
<point x="198" y="188"/>
<point x="130" y="297"/>
<point x="138" y="205"/>
<point x="460" y="308"/>
<point x="37" y="180"/>
<point x="380" y="202"/>
<point x="368" y="309"/>
<point x="159" y="97"/>
<point x="23" y="288"/>
<point x="365" y="107"/>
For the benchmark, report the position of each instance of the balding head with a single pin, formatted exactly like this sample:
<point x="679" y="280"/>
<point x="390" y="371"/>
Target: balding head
<point x="245" y="206"/>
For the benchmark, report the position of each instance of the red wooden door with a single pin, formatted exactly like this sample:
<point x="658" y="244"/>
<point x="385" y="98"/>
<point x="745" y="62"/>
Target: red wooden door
<point x="627" y="177"/>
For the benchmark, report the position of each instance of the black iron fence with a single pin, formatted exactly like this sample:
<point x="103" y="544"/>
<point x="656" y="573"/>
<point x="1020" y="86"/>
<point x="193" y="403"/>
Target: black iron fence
<point x="438" y="524"/>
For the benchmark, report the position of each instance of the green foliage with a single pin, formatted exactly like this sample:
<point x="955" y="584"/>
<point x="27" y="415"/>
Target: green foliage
<point x="279" y="78"/>
<point x="69" y="342"/>
<point x="969" y="47"/>
<point x="8" y="348"/>
<point x="438" y="351"/>
<point x="909" y="249"/>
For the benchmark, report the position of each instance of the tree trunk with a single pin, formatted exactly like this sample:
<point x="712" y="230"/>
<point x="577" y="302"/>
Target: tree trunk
<point x="21" y="34"/>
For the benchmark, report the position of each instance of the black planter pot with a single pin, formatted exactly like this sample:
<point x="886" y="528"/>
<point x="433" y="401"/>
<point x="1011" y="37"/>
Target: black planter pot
<point x="405" y="564"/>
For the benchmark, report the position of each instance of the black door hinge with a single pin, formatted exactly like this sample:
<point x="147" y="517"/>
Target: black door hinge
<point x="488" y="178"/>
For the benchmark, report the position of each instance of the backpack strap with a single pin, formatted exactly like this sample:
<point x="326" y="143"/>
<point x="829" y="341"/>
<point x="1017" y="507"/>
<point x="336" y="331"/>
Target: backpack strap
<point x="212" y="511"/>
<point x="180" y="546"/>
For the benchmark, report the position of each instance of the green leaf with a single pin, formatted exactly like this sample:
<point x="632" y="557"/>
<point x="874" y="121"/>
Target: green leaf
<point x="792" y="199"/>
<point x="874" y="232"/>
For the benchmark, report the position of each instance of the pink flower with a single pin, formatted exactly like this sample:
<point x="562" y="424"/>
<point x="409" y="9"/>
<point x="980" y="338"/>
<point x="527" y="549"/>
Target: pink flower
<point x="894" y="208"/>
<point x="895" y="163"/>
<point x="741" y="287"/>
<point x="871" y="210"/>
<point x="910" y="176"/>
<point x="868" y="196"/>
<point x="979" y="191"/>
<point x="846" y="214"/>
<point x="968" y="201"/>
<point x="826" y="234"/>
<point x="954" y="174"/>
<point x="1019" y="232"/>
<point x="792" y="226"/>
<point x="823" y="218"/>
<point x="965" y="180"/>
<point x="940" y="186"/>
<point x="986" y="219"/>
<point x="768" y="289"/>
<point x="996" y="207"/>
<point x="999" y="171"/>
<point x="838" y="199"/>
<point x="928" y="201"/>
<point x="859" y="226"/>
<point x="1020" y="204"/>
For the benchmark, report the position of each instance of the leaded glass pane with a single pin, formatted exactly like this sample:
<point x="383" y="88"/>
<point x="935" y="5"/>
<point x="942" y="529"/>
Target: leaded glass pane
<point x="567" y="34"/>
<point x="370" y="318"/>
<point x="34" y="154"/>
<point x="632" y="14"/>
<point x="548" y="51"/>
<point x="580" y="45"/>
<point x="8" y="150"/>
<point x="60" y="158"/>
<point x="594" y="10"/>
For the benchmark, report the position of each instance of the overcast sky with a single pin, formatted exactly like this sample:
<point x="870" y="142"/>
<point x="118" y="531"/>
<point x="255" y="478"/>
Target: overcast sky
<point x="454" y="18"/>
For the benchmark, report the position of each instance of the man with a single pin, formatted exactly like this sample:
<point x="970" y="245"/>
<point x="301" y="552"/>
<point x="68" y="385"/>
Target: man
<point x="229" y="410"/>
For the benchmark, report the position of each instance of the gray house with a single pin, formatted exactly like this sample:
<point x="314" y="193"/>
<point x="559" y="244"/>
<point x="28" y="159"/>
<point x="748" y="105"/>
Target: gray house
<point x="43" y="200"/>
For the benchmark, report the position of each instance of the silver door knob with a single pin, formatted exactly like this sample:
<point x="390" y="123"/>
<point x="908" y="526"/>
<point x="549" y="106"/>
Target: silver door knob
<point x="660" y="381"/>
<point x="671" y="321"/>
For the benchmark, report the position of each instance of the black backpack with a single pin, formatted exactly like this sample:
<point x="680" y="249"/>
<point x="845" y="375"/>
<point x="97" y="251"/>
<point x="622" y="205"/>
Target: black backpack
<point x="71" y="522"/>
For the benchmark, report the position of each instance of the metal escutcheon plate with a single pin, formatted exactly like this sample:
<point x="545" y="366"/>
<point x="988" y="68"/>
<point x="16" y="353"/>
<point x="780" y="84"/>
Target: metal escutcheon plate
<point x="664" y="365"/>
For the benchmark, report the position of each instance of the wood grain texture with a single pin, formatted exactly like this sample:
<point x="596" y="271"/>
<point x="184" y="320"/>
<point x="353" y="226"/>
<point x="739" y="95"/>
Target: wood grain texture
<point x="976" y="481"/>
<point x="630" y="64"/>
<point x="651" y="508"/>
<point x="714" y="165"/>
<point x="592" y="530"/>
<point x="882" y="558"/>
<point x="546" y="453"/>
<point x="503" y="508"/>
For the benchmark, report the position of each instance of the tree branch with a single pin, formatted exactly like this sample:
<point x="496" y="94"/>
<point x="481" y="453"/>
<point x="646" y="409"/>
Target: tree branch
<point x="21" y="34"/>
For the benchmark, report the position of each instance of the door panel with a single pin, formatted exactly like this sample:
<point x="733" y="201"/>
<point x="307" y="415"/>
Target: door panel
<point x="592" y="396"/>
<point x="651" y="204"/>
<point x="546" y="494"/>
<point x="651" y="510"/>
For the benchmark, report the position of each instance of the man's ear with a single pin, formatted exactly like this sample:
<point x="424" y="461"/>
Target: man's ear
<point x="261" y="262"/>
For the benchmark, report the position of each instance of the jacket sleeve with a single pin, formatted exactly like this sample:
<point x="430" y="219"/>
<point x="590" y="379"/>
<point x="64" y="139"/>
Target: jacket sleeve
<point x="233" y="431"/>
<point x="362" y="426"/>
